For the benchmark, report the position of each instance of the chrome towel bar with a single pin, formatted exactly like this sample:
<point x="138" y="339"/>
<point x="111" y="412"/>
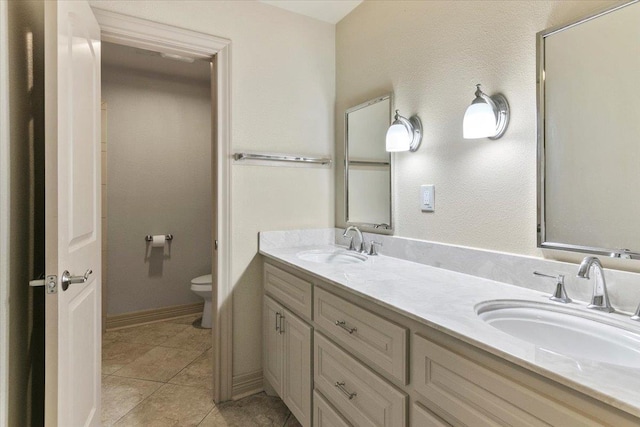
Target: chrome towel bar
<point x="281" y="158"/>
<point x="367" y="163"/>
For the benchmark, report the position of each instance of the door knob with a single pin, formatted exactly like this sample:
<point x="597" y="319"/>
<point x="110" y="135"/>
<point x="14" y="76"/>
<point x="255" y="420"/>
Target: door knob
<point x="67" y="279"/>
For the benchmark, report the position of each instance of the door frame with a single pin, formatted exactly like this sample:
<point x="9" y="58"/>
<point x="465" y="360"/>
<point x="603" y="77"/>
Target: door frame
<point x="144" y="34"/>
<point x="4" y="215"/>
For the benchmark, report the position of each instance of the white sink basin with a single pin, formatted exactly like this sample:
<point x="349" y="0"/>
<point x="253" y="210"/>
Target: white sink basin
<point x="338" y="256"/>
<point x="566" y="331"/>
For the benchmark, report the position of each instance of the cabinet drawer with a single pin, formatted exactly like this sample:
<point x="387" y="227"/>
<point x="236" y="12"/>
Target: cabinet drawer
<point x="371" y="337"/>
<point x="422" y="417"/>
<point x="477" y="396"/>
<point x="324" y="415"/>
<point x="362" y="396"/>
<point x="290" y="290"/>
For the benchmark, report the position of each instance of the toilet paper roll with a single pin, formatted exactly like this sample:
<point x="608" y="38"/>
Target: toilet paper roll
<point x="158" y="241"/>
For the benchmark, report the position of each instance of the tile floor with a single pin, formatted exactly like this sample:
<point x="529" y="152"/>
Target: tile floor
<point x="160" y="374"/>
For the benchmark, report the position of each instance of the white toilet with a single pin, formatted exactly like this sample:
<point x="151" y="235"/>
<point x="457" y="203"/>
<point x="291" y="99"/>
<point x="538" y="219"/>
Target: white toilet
<point x="201" y="286"/>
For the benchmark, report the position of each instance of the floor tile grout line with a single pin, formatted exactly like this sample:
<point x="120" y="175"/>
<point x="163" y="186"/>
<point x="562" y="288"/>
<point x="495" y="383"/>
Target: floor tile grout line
<point x="157" y="390"/>
<point x="154" y="392"/>
<point x="206" y="415"/>
<point x="141" y="379"/>
<point x="124" y="366"/>
<point x="161" y="383"/>
<point x="138" y="404"/>
<point x="152" y="349"/>
<point x="286" y="420"/>
<point x="182" y="347"/>
<point x="190" y="363"/>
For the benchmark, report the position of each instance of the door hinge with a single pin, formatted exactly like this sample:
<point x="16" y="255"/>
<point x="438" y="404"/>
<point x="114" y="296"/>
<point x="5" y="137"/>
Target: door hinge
<point x="215" y="244"/>
<point x="52" y="284"/>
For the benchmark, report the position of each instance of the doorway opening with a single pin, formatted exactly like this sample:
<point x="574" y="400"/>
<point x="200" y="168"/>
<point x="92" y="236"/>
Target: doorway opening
<point x="156" y="181"/>
<point x="171" y="41"/>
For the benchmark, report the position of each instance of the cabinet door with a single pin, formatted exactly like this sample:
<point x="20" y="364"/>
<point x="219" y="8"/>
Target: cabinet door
<point x="297" y="368"/>
<point x="273" y="338"/>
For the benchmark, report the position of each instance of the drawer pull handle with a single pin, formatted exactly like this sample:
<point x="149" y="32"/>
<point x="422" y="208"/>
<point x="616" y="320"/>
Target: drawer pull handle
<point x="278" y="321"/>
<point x="344" y="326"/>
<point x="340" y="386"/>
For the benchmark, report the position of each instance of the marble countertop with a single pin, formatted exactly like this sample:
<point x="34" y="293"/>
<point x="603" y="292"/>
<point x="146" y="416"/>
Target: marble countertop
<point x="446" y="300"/>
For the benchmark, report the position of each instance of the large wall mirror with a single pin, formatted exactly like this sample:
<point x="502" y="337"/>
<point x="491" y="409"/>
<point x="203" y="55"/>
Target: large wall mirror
<point x="368" y="165"/>
<point x="589" y="134"/>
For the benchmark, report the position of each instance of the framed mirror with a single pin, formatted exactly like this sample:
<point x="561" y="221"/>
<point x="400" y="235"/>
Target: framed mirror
<point x="589" y="134"/>
<point x="368" y="166"/>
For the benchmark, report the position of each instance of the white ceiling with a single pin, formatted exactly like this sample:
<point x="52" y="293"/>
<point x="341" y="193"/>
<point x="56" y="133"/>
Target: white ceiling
<point x="330" y="11"/>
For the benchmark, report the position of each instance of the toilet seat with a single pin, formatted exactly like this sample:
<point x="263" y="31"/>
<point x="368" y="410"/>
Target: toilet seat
<point x="207" y="279"/>
<point x="201" y="288"/>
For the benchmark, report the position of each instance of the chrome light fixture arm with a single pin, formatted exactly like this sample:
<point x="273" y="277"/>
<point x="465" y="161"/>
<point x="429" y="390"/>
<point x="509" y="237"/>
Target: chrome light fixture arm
<point x="500" y="107"/>
<point x="413" y="128"/>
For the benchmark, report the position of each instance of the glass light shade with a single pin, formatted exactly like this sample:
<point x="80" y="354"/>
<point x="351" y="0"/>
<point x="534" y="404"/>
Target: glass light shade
<point x="479" y="121"/>
<point x="398" y="138"/>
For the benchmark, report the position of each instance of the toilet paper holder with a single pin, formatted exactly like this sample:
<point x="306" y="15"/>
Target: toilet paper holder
<point x="149" y="237"/>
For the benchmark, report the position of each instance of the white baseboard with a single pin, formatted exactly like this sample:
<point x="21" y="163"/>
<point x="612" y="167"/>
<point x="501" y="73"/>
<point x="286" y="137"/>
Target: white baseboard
<point x="247" y="384"/>
<point x="154" y="315"/>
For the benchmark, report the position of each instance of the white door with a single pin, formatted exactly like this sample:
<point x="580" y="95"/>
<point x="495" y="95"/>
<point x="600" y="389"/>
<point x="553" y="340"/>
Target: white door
<point x="72" y="168"/>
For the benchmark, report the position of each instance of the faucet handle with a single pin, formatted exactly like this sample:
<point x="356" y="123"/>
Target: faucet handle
<point x="560" y="294"/>
<point x="636" y="315"/>
<point x="373" y="251"/>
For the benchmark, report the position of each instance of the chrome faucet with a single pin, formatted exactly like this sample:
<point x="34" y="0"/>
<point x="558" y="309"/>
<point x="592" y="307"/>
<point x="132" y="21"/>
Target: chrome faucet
<point x="600" y="298"/>
<point x="352" y="246"/>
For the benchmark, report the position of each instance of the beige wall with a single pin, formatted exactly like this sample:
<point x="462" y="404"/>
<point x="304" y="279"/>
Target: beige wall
<point x="282" y="98"/>
<point x="159" y="182"/>
<point x="431" y="54"/>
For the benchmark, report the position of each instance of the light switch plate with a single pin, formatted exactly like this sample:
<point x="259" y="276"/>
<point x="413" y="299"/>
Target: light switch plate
<point x="428" y="198"/>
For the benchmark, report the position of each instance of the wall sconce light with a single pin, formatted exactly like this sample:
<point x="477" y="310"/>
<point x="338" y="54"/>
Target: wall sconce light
<point x="404" y="134"/>
<point x="486" y="117"/>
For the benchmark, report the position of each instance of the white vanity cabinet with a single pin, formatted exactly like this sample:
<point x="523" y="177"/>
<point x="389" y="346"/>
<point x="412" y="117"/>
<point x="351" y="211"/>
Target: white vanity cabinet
<point x="473" y="395"/>
<point x="468" y="387"/>
<point x="339" y="359"/>
<point x="287" y="345"/>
